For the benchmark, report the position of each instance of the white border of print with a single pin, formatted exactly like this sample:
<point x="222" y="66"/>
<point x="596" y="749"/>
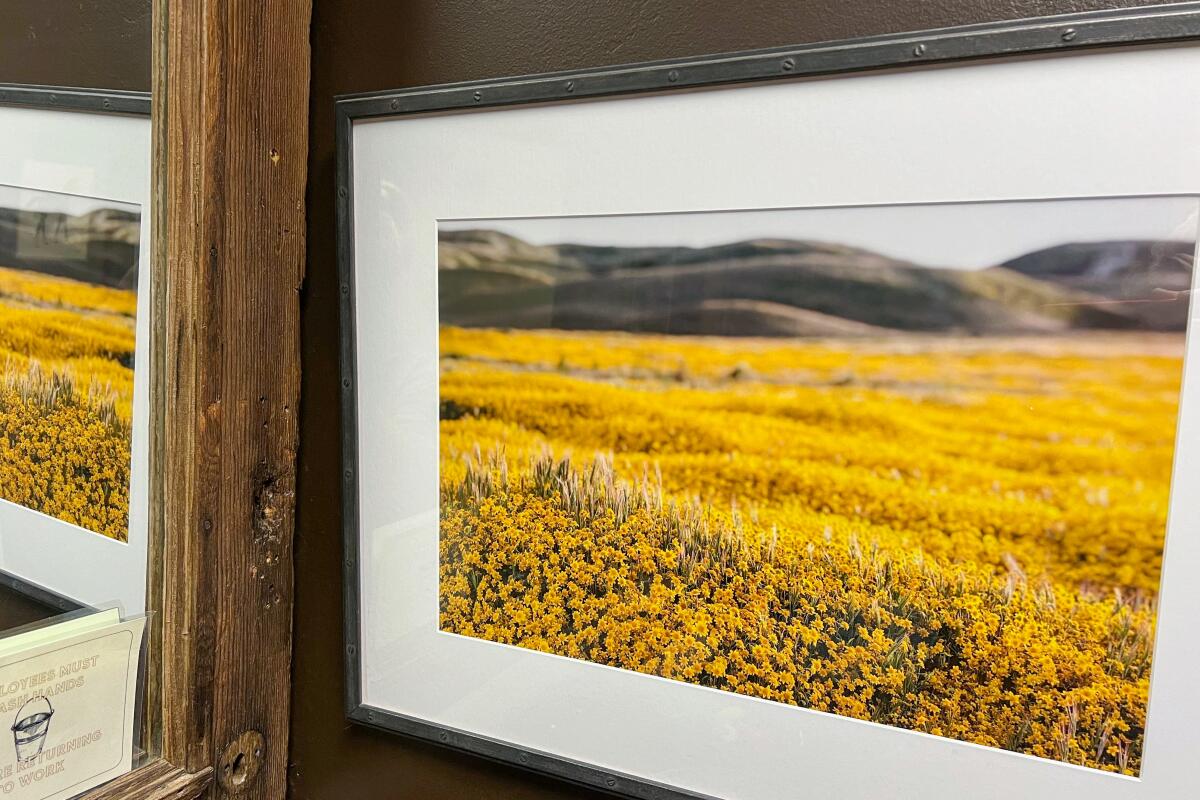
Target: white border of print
<point x="105" y="156"/>
<point x="1098" y="124"/>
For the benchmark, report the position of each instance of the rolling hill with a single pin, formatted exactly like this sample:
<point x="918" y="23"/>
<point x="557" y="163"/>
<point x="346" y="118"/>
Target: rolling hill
<point x="761" y="287"/>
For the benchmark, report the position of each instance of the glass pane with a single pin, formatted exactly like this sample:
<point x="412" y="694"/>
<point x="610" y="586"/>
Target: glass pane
<point x="75" y="360"/>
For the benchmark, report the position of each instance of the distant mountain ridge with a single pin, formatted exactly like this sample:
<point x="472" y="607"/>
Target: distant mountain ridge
<point x="772" y="287"/>
<point x="475" y="247"/>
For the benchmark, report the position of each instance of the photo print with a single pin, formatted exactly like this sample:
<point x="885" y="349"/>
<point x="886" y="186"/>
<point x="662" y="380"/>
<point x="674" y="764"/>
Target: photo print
<point x="68" y="306"/>
<point x="906" y="464"/>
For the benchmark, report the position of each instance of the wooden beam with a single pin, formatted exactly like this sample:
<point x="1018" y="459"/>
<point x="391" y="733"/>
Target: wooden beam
<point x="235" y="139"/>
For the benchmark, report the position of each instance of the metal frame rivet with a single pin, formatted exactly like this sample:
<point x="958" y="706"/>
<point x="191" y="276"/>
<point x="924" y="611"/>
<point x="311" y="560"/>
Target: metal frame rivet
<point x="673" y="75"/>
<point x="1069" y="34"/>
<point x="341" y="191"/>
<point x="395" y="104"/>
<point x="348" y="474"/>
<point x="919" y="50"/>
<point x="444" y="736"/>
<point x="789" y="64"/>
<point x="523" y="758"/>
<point x="351" y="650"/>
<point x="478" y="96"/>
<point x="345" y="288"/>
<point x="570" y="86"/>
<point x="611" y="781"/>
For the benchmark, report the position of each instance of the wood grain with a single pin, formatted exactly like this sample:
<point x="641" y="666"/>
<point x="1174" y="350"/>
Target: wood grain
<point x="156" y="781"/>
<point x="236" y="89"/>
<point x="152" y="701"/>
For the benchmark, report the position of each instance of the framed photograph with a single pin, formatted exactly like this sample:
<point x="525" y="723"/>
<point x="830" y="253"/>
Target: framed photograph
<point x="721" y="427"/>
<point x="74" y="339"/>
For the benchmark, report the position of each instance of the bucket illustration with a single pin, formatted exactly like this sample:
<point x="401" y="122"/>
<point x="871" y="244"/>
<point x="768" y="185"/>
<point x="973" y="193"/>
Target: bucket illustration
<point x="31" y="726"/>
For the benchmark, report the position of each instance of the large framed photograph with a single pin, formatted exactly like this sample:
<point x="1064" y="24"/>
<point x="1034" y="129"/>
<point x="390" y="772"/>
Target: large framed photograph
<point x="801" y="429"/>
<point x="74" y="331"/>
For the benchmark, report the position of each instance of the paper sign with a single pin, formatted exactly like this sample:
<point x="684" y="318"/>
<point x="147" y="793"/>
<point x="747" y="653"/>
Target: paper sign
<point x="68" y="707"/>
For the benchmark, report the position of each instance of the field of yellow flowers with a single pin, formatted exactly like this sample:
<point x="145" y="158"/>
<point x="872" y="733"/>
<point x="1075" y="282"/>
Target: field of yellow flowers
<point x="66" y="398"/>
<point x="957" y="536"/>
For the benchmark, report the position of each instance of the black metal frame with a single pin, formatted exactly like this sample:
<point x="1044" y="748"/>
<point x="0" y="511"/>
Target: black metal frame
<point x="1043" y="35"/>
<point x="63" y="98"/>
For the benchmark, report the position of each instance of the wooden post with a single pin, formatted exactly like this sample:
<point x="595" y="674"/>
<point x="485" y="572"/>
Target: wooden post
<point x="233" y="141"/>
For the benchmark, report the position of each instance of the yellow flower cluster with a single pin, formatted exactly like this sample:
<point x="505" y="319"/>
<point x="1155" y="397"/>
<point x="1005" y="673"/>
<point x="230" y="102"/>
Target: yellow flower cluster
<point x="66" y="398"/>
<point x="32" y="287"/>
<point x="959" y="536"/>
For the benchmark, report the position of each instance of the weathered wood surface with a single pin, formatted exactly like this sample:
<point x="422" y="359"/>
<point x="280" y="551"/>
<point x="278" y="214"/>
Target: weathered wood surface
<point x="235" y="147"/>
<point x="156" y="781"/>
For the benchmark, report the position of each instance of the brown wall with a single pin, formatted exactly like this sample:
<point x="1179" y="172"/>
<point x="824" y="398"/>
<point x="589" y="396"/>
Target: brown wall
<point x="100" y="44"/>
<point x="17" y="609"/>
<point x="363" y="45"/>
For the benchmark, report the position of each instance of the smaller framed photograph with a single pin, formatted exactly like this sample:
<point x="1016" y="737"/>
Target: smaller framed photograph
<point x="830" y="432"/>
<point x="74" y="339"/>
